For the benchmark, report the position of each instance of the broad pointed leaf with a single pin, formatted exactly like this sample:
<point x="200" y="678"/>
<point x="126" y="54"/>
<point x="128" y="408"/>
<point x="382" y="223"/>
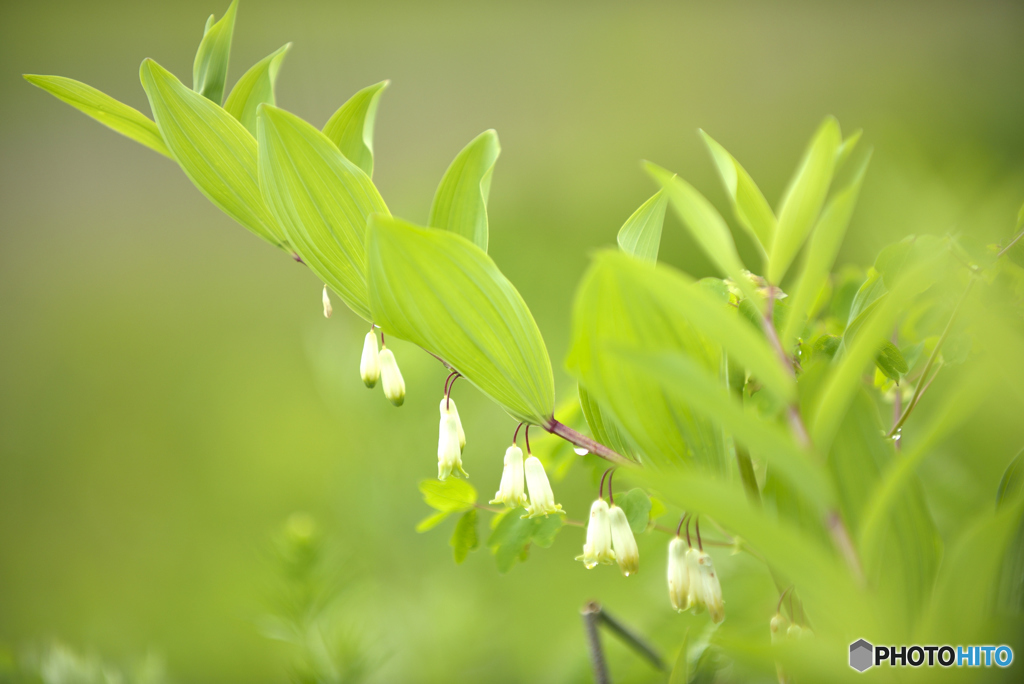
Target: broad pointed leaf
<point x="751" y="208"/>
<point x="804" y="198"/>
<point x="210" y="69"/>
<point x="640" y="235"/>
<point x="821" y="254"/>
<point x="113" y="114"/>
<point x="321" y="199"/>
<point x="256" y="87"/>
<point x="212" y="147"/>
<point x="351" y="127"/>
<point x="460" y="203"/>
<point x="442" y="292"/>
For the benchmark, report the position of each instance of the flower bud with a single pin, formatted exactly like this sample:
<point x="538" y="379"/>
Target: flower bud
<point x="694" y="595"/>
<point x="598" y="547"/>
<point x="623" y="543"/>
<point x="777" y="627"/>
<point x="678" y="575"/>
<point x="710" y="588"/>
<point x="327" y="304"/>
<point x="369" y="364"/>
<point x="449" y="453"/>
<point x="448" y="404"/>
<point x="542" y="499"/>
<point x="391" y="377"/>
<point x="511" y="490"/>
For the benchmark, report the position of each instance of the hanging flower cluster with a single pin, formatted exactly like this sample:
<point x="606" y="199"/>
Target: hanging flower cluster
<point x="692" y="581"/>
<point x="525" y="483"/>
<point x="609" y="536"/>
<point x="381" y="366"/>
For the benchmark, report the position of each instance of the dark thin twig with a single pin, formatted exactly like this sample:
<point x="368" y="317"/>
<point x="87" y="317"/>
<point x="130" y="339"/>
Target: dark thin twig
<point x="630" y="638"/>
<point x="696" y="527"/>
<point x="515" y="435"/>
<point x="680" y="527"/>
<point x="528" y="451"/>
<point x="448" y="393"/>
<point x="590" y="613"/>
<point x="1014" y="241"/>
<point x="611" y="497"/>
<point x="688" y="542"/>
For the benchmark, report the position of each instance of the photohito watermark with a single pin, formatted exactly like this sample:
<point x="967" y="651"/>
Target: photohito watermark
<point x="864" y="655"/>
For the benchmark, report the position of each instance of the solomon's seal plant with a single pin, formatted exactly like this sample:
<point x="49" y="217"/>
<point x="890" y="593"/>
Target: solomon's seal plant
<point x="753" y="401"/>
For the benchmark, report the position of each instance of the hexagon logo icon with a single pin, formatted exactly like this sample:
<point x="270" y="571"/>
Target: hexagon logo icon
<point x="861" y="653"/>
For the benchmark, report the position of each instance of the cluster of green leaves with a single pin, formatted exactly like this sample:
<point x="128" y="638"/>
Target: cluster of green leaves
<point x="741" y="397"/>
<point x="310" y="192"/>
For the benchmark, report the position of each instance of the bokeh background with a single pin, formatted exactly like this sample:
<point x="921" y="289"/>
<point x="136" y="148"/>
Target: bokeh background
<point x="170" y="391"/>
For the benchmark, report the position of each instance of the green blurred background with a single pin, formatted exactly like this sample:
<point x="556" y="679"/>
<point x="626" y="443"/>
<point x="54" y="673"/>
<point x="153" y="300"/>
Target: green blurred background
<point x="170" y="391"/>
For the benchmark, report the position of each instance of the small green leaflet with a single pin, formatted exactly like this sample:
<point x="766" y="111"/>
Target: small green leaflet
<point x="113" y="114"/>
<point x="210" y="69"/>
<point x="351" y="127"/>
<point x="640" y="235"/>
<point x="751" y="208"/>
<point x="442" y="292"/>
<point x="451" y="496"/>
<point x="511" y="539"/>
<point x="321" y="199"/>
<point x="891" y="362"/>
<point x="212" y="147"/>
<point x="804" y="198"/>
<point x="255" y="88"/>
<point x="460" y="203"/>
<point x="464" y="538"/>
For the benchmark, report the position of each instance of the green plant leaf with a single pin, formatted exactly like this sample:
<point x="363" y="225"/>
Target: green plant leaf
<point x="442" y="292"/>
<point x="509" y="540"/>
<point x="464" y="538"/>
<point x="748" y="204"/>
<point x="432" y="521"/>
<point x="545" y="529"/>
<point x="637" y="506"/>
<point x="212" y="147"/>
<point x="902" y="563"/>
<point x="210" y="69"/>
<point x="673" y="294"/>
<point x="460" y="203"/>
<point x="321" y="199"/>
<point x="821" y="254"/>
<point x="891" y="362"/>
<point x="451" y="496"/>
<point x="845" y="377"/>
<point x="1011" y="485"/>
<point x="677" y="375"/>
<point x="113" y="114"/>
<point x="622" y="303"/>
<point x="255" y="87"/>
<point x="804" y="198"/>
<point x="601" y="427"/>
<point x="351" y="127"/>
<point x="640" y="235"/>
<point x="705" y="225"/>
<point x="846" y="149"/>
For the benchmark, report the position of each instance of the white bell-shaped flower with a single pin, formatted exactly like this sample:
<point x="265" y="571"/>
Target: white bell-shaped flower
<point x="710" y="587"/>
<point x="511" y="492"/>
<point x="369" y="364"/>
<point x="778" y="628"/>
<point x="391" y="377"/>
<point x="678" y="575"/>
<point x="598" y="547"/>
<point x="448" y="404"/>
<point x="542" y="499"/>
<point x="623" y="543"/>
<point x="449" y="451"/>
<point x="327" y="304"/>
